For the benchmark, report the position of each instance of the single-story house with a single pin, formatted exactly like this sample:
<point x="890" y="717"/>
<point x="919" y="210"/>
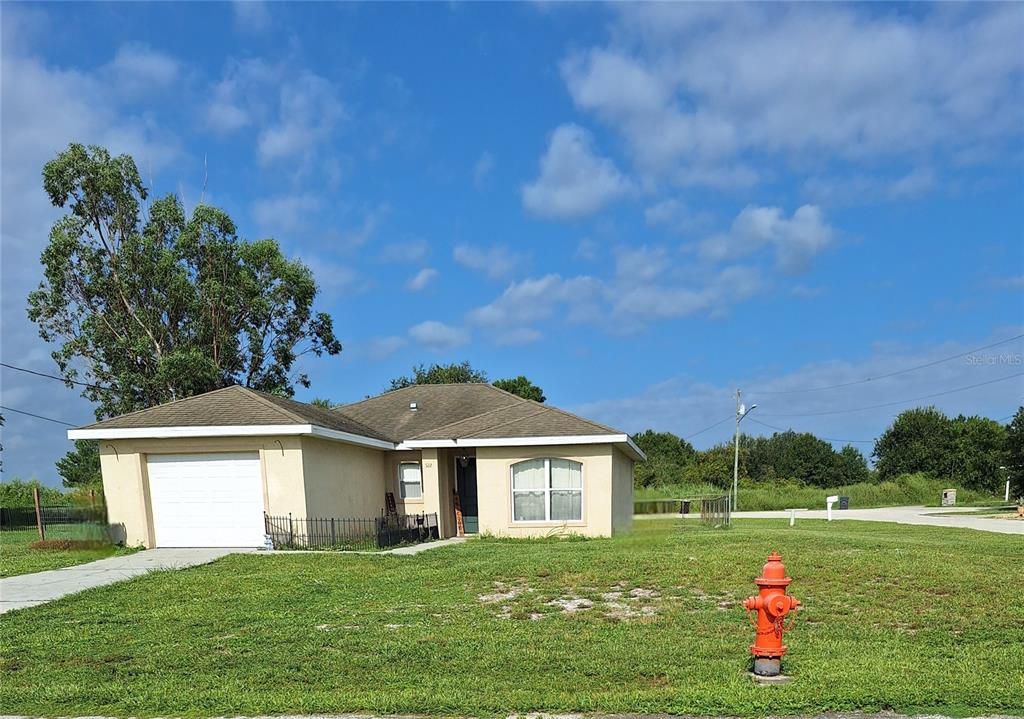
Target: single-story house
<point x="203" y="471"/>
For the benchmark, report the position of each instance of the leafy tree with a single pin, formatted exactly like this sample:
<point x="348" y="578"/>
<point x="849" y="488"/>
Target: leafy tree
<point x="454" y="373"/>
<point x="18" y="493"/>
<point x="155" y="305"/>
<point x="321" y="402"/>
<point x="522" y="387"/>
<point x="1015" y="453"/>
<point x="851" y="465"/>
<point x="919" y="440"/>
<point x="668" y="456"/>
<point x="978" y="451"/>
<point x="80" y="468"/>
<point x="714" y="466"/>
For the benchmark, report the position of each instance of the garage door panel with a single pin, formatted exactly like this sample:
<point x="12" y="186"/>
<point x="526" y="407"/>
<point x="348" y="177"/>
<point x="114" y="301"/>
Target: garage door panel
<point x="206" y="500"/>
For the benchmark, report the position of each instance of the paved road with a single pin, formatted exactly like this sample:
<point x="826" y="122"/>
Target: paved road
<point x="28" y="590"/>
<point x="931" y="516"/>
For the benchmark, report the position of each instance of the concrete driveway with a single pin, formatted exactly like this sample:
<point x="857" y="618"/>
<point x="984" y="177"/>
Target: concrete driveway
<point x="28" y="590"/>
<point x="932" y="516"/>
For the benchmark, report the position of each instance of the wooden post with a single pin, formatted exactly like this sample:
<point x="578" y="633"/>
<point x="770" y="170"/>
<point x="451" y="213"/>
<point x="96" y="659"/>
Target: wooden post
<point x="39" y="514"/>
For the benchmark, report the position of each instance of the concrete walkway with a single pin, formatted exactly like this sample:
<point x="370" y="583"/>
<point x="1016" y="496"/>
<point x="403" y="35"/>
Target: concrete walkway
<point x="931" y="516"/>
<point x="28" y="590"/>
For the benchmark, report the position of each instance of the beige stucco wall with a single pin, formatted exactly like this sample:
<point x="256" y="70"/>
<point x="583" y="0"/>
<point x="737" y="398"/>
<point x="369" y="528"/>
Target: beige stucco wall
<point x="622" y="492"/>
<point x="342" y="480"/>
<point x="494" y="486"/>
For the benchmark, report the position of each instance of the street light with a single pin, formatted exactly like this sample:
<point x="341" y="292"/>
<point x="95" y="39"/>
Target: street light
<point x="741" y="412"/>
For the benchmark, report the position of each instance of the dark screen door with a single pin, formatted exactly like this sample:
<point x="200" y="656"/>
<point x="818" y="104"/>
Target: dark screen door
<point x="465" y="477"/>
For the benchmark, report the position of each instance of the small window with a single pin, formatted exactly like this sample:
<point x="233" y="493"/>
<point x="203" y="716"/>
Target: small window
<point x="410" y="480"/>
<point x="546" y="490"/>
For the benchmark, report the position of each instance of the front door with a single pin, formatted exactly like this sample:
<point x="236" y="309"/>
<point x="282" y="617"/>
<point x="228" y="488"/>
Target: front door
<point x="465" y="483"/>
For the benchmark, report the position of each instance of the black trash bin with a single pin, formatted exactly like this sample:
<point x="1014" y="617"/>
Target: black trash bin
<point x="844" y="502"/>
<point x="684" y="507"/>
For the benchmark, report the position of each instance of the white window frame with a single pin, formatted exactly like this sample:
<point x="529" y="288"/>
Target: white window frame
<point x="401" y="484"/>
<point x="547" y="493"/>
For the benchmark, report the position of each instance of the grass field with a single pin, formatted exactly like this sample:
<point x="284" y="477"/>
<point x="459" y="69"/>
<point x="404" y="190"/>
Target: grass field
<point x="17" y="557"/>
<point x="913" y="618"/>
<point x="909" y="489"/>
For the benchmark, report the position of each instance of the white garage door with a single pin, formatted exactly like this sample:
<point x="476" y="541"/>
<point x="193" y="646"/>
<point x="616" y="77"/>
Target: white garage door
<point x="206" y="500"/>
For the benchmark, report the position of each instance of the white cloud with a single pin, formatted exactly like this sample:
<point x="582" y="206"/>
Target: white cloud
<point x="574" y="181"/>
<point x="335" y="279"/>
<point x="410" y="252"/>
<point x="684" y="405"/>
<point x="382" y="347"/>
<point x="482" y="170"/>
<point x="795" y="240"/>
<point x="675" y="215"/>
<point x="296" y="110"/>
<point x="355" y="237"/>
<point x="438" y="336"/>
<point x="517" y="336"/>
<point x="309" y="111"/>
<point x="137" y="69"/>
<point x="689" y="89"/>
<point x="537" y="299"/>
<point x="860" y="188"/>
<point x="286" y="213"/>
<point x="251" y="15"/>
<point x="495" y="262"/>
<point x="421" y="279"/>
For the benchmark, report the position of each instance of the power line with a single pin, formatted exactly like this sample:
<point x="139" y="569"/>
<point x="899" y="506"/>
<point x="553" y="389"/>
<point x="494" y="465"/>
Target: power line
<point x="691" y="436"/>
<point x="830" y="439"/>
<point x="37" y="416"/>
<point x="897" y="402"/>
<point x="889" y="374"/>
<point x="52" y="376"/>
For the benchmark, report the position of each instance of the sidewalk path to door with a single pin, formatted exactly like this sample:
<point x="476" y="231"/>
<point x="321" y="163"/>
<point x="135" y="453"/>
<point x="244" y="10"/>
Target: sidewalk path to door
<point x="932" y="516"/>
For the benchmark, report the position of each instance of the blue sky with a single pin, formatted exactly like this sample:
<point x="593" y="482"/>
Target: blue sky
<point x="640" y="207"/>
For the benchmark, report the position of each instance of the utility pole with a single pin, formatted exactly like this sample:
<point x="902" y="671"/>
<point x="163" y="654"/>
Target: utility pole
<point x="736" y="455"/>
<point x="741" y="412"/>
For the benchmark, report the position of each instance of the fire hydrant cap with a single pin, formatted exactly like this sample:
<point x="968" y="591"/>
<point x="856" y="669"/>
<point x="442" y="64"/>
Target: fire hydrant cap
<point x="773" y="573"/>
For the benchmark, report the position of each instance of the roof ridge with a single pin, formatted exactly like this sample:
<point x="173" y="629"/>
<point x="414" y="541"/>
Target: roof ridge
<point x="576" y="416"/>
<point x="443" y="427"/>
<point x="264" y="398"/>
<point x="165" y="404"/>
<point x="502" y="424"/>
<point x="424" y="384"/>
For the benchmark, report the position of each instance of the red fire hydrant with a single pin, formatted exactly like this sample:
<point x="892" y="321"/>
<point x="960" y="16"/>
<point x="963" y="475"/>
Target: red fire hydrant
<point x="772" y="605"/>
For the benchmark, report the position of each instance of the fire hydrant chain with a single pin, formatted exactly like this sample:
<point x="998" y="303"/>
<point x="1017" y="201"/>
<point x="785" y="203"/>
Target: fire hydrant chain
<point x="772" y="605"/>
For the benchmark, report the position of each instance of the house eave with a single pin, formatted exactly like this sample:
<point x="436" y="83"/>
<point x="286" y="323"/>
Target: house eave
<point x="630" y="447"/>
<point x="253" y="430"/>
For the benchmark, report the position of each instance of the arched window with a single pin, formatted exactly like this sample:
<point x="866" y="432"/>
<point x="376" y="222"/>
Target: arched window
<point x="547" y="490"/>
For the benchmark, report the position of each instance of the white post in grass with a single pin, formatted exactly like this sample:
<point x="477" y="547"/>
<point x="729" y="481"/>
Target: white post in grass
<point x="741" y="412"/>
<point x="1006" y="494"/>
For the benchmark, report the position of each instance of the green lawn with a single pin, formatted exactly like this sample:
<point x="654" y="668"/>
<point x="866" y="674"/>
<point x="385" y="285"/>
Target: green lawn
<point x="17" y="557"/>
<point x="913" y="618"/>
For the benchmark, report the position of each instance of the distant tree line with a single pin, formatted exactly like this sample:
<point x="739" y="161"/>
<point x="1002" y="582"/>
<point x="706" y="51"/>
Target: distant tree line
<point x="785" y="456"/>
<point x="969" y="451"/>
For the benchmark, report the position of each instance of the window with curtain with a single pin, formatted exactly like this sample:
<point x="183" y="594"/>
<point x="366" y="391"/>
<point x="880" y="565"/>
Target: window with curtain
<point x="547" y="490"/>
<point x="410" y="480"/>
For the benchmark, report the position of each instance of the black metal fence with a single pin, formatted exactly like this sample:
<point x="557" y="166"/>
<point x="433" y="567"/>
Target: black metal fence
<point x="62" y="522"/>
<point x="337" y="533"/>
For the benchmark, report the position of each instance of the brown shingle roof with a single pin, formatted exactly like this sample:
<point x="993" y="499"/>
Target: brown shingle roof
<point x="437" y="405"/>
<point x="232" y="407"/>
<point x="445" y="411"/>
<point x="454" y="411"/>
